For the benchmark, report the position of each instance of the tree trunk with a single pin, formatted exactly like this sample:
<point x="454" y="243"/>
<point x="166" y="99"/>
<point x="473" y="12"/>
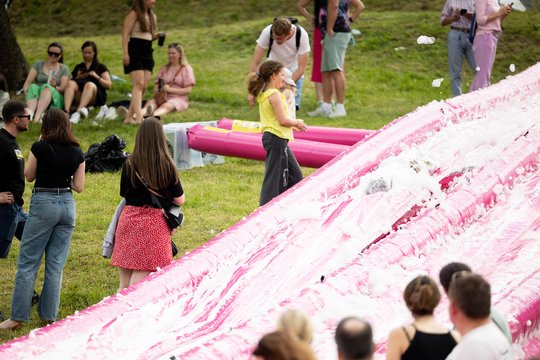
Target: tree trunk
<point x="13" y="64"/>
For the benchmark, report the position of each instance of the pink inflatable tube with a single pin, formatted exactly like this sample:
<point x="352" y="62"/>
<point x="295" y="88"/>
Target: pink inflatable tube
<point x="343" y="136"/>
<point x="248" y="145"/>
<point x="305" y="250"/>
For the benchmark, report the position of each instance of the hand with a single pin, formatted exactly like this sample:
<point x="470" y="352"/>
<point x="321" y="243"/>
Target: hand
<point x="173" y="231"/>
<point x="125" y="60"/>
<point x="507" y="9"/>
<point x="301" y="125"/>
<point x="93" y="74"/>
<point x="251" y="100"/>
<point x="7" y="198"/>
<point x="330" y="32"/>
<point x="52" y="81"/>
<point x="166" y="88"/>
<point x="457" y="15"/>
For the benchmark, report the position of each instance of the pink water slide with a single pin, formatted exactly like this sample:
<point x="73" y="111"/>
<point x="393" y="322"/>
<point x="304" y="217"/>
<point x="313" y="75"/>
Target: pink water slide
<point x="461" y="183"/>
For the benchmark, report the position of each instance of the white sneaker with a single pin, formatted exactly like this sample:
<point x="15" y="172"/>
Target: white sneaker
<point x="102" y="113"/>
<point x="337" y="113"/>
<point x="84" y="112"/>
<point x="320" y="111"/>
<point x="111" y="114"/>
<point x="75" y="117"/>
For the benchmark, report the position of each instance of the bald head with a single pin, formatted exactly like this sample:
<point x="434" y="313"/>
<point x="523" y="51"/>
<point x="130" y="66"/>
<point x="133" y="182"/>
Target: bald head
<point x="354" y="339"/>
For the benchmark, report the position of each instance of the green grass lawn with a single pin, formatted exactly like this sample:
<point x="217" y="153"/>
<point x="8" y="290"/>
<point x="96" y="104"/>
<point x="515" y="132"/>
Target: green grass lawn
<point x="388" y="75"/>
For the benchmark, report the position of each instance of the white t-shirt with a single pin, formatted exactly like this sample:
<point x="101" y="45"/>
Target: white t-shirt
<point x="486" y="342"/>
<point x="286" y="53"/>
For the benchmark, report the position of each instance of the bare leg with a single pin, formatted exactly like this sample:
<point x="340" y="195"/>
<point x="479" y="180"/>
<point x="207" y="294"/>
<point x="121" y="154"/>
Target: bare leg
<point x="319" y="91"/>
<point x="32" y="105"/>
<point x="137" y="276"/>
<point x="69" y="95"/>
<point x="137" y="90"/>
<point x="88" y="96"/>
<point x="339" y="82"/>
<point x="164" y="109"/>
<point x="328" y="86"/>
<point x="43" y="103"/>
<point x="125" y="276"/>
<point x="149" y="103"/>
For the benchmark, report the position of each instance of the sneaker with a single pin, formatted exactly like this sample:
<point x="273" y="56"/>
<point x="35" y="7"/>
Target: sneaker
<point x="320" y="111"/>
<point x="84" y="112"/>
<point x="337" y="113"/>
<point x="121" y="112"/>
<point x="102" y="113"/>
<point x="75" y="117"/>
<point x="112" y="113"/>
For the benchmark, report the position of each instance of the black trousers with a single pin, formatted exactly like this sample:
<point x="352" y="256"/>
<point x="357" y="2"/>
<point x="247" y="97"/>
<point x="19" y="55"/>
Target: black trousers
<point x="281" y="170"/>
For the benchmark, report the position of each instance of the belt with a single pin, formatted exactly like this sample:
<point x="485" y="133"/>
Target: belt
<point x="466" y="31"/>
<point x="51" y="190"/>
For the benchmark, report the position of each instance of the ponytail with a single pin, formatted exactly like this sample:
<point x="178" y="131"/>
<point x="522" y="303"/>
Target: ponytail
<point x="257" y="81"/>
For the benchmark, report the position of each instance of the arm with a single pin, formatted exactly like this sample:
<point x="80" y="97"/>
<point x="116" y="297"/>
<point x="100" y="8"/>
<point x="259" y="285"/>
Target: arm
<point x="332" y="12"/>
<point x="482" y="18"/>
<point x="104" y="79"/>
<point x="31" y="168"/>
<point x="129" y="21"/>
<point x="63" y="83"/>
<point x="302" y="63"/>
<point x="77" y="181"/>
<point x="258" y="55"/>
<point x="32" y="74"/>
<point x="394" y="343"/>
<point x="178" y="91"/>
<point x="358" y="8"/>
<point x="180" y="200"/>
<point x="284" y="120"/>
<point x="301" y="6"/>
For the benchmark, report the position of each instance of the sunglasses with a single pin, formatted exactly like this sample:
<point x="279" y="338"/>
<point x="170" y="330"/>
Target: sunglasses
<point x="22" y="116"/>
<point x="51" y="53"/>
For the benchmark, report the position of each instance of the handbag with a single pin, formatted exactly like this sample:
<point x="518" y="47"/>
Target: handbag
<point x="161" y="96"/>
<point x="172" y="212"/>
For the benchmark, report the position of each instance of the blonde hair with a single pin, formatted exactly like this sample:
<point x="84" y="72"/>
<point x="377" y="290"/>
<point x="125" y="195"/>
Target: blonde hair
<point x="297" y="324"/>
<point x="257" y="81"/>
<point x="180" y="49"/>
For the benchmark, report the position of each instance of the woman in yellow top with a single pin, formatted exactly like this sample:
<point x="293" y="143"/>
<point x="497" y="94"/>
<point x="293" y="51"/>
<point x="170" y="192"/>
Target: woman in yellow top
<point x="281" y="170"/>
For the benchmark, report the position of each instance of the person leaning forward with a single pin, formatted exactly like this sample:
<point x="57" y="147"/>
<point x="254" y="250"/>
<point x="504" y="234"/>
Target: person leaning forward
<point x="283" y="48"/>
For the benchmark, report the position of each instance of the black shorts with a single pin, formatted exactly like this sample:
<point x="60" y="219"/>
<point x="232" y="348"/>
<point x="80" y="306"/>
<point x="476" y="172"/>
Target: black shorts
<point x="140" y="55"/>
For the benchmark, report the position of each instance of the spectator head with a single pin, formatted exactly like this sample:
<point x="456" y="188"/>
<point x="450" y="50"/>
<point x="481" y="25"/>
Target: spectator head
<point x="422" y="296"/>
<point x="56" y="128"/>
<point x="56" y="51"/>
<point x="257" y="81"/>
<point x="279" y="345"/>
<point x="12" y="108"/>
<point x="354" y="339"/>
<point x="176" y="51"/>
<point x="3" y="83"/>
<point x="448" y="271"/>
<point x="90" y="53"/>
<point x="281" y="29"/>
<point x="470" y="294"/>
<point x="297" y="324"/>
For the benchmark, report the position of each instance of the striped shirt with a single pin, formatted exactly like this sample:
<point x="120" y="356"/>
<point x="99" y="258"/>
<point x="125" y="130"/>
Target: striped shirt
<point x="450" y="8"/>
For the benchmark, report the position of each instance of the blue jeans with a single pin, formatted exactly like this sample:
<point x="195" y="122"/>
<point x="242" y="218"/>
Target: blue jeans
<point x="12" y="220"/>
<point x="299" y="83"/>
<point x="48" y="230"/>
<point x="458" y="46"/>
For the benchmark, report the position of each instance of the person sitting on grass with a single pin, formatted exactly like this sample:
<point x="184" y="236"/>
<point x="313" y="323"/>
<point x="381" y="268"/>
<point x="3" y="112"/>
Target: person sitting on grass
<point x="175" y="82"/>
<point x="46" y="81"/>
<point x="89" y="84"/>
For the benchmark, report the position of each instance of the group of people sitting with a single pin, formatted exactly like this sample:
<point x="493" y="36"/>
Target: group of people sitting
<point x="49" y="84"/>
<point x="480" y="332"/>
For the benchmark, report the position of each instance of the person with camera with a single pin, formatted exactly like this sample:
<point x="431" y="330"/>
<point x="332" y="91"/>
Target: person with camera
<point x="173" y="84"/>
<point x="286" y="43"/>
<point x="458" y="15"/>
<point x="143" y="237"/>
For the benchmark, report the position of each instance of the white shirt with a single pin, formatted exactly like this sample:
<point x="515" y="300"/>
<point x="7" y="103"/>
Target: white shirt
<point x="485" y="342"/>
<point x="451" y="6"/>
<point x="285" y="53"/>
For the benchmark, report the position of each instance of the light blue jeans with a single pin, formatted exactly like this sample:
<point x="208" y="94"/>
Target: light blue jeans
<point x="458" y="46"/>
<point x="297" y="98"/>
<point x="48" y="230"/>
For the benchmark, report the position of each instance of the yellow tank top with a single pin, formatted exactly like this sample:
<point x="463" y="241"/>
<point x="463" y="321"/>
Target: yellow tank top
<point x="269" y="121"/>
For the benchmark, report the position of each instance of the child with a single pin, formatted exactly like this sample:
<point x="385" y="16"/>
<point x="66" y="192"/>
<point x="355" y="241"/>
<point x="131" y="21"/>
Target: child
<point x="289" y="91"/>
<point x="281" y="170"/>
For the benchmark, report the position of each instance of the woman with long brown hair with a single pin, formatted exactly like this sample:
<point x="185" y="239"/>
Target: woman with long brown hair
<point x="140" y="29"/>
<point x="143" y="238"/>
<point x="57" y="165"/>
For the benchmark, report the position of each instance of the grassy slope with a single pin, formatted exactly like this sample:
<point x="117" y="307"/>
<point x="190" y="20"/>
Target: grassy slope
<point x="383" y="83"/>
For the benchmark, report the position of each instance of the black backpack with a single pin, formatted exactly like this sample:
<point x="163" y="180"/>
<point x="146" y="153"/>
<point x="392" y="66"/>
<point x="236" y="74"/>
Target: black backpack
<point x="293" y="21"/>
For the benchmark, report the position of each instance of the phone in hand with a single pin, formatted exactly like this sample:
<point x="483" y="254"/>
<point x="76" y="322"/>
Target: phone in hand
<point x="463" y="12"/>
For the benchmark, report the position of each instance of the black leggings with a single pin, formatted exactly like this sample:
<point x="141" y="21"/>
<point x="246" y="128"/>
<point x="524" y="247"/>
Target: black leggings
<point x="281" y="170"/>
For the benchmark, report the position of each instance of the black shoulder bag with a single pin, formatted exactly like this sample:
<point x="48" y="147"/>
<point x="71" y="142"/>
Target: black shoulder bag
<point x="171" y="212"/>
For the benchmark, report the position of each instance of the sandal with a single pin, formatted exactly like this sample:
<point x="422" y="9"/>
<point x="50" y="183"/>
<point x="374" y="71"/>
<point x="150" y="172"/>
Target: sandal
<point x="11" y="325"/>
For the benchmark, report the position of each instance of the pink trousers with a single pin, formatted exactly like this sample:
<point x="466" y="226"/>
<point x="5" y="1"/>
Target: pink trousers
<point x="484" y="49"/>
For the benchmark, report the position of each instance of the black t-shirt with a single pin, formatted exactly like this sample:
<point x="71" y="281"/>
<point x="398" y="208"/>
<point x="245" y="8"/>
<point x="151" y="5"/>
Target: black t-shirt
<point x="81" y="77"/>
<point x="56" y="163"/>
<point x="140" y="196"/>
<point x="11" y="166"/>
